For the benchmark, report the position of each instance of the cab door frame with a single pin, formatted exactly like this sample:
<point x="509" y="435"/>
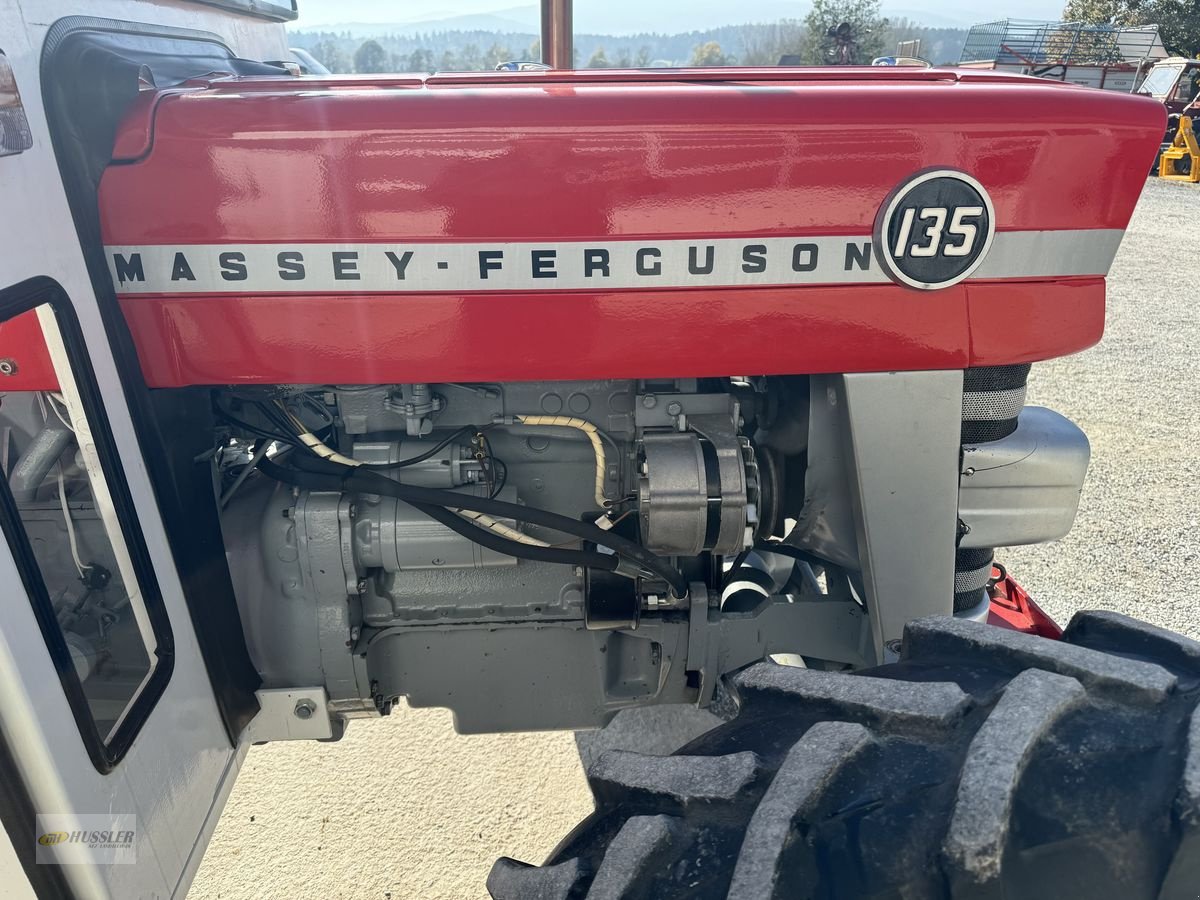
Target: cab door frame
<point x="180" y="765"/>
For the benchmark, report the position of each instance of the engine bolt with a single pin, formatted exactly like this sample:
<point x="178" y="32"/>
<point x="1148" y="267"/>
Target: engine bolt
<point x="674" y="408"/>
<point x="8" y="366"/>
<point x="304" y="709"/>
<point x="649" y="401"/>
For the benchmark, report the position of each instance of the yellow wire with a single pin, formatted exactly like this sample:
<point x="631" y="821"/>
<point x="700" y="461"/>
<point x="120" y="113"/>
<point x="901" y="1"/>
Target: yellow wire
<point x="593" y="434"/>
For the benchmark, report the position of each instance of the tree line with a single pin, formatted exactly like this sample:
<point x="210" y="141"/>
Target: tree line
<point x="807" y="41"/>
<point x="1178" y="20"/>
<point x="763" y="44"/>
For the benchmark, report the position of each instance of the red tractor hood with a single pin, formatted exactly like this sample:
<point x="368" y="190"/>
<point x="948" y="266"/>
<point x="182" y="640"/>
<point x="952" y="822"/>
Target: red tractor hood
<point x="535" y="225"/>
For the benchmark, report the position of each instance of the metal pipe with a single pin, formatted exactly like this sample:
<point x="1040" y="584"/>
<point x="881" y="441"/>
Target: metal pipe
<point x="558" y="50"/>
<point x="32" y="468"/>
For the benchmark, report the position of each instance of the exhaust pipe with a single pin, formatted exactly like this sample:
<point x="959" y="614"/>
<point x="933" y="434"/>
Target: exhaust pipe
<point x="558" y="50"/>
<point x="34" y="465"/>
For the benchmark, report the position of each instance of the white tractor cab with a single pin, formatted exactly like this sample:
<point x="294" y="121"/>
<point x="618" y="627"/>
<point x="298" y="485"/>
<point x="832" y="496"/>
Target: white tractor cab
<point x="157" y="745"/>
<point x="1175" y="82"/>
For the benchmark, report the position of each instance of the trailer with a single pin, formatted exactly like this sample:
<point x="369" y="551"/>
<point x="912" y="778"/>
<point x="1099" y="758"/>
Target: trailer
<point x="1109" y="57"/>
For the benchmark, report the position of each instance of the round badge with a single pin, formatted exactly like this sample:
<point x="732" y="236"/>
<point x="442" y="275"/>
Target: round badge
<point x="934" y="230"/>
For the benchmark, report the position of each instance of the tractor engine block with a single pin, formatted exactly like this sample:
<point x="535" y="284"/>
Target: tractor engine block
<point x="675" y="462"/>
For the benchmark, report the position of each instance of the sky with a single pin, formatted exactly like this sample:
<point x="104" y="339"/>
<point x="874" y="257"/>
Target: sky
<point x="673" y="15"/>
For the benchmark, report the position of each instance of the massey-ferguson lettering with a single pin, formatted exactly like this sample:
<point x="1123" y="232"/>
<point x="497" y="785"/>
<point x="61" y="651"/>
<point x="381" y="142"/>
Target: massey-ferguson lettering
<point x="468" y="267"/>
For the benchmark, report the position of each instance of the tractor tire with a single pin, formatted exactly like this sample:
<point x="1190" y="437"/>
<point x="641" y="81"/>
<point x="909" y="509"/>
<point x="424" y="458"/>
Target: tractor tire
<point x="656" y="730"/>
<point x="985" y="764"/>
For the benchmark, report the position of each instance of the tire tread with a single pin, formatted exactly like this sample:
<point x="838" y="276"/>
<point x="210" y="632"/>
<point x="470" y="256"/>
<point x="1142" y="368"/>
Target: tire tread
<point x="762" y="801"/>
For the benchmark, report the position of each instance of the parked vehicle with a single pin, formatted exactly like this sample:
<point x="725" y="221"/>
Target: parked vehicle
<point x="309" y="64"/>
<point x="1175" y="82"/>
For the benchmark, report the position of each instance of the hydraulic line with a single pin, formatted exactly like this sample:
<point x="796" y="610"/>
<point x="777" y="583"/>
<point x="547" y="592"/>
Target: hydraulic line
<point x="540" y="552"/>
<point x="321" y="449"/>
<point x="797" y="553"/>
<point x="432" y="451"/>
<point x="312" y="442"/>
<point x="317" y="446"/>
<point x="440" y="513"/>
<point x="500" y="528"/>
<point x="352" y="474"/>
<point x="332" y="477"/>
<point x="261" y="446"/>
<point x="593" y="435"/>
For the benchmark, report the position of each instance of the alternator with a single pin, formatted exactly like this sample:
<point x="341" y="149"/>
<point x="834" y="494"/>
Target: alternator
<point x="698" y="492"/>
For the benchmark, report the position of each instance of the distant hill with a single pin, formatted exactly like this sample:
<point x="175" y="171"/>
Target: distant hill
<point x="627" y="17"/>
<point x="509" y="21"/>
<point x="429" y="46"/>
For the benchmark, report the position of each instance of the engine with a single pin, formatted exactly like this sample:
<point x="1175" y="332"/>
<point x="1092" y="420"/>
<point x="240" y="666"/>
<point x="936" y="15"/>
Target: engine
<point x="689" y="470"/>
<point x="543" y="554"/>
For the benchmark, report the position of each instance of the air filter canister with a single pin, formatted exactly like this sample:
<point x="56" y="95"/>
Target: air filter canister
<point x="993" y="398"/>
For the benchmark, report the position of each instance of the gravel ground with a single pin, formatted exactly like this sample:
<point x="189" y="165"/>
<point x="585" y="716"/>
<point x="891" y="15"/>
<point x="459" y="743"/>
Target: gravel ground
<point x="403" y="809"/>
<point x="1137" y="396"/>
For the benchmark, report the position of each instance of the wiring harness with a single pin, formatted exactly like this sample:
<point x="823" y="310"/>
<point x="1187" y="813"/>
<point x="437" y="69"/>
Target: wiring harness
<point x="320" y="467"/>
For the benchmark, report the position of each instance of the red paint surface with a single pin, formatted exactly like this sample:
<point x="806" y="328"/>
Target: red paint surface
<point x="21" y="342"/>
<point x="1013" y="608"/>
<point x="531" y="156"/>
<point x="1020" y="322"/>
<point x="368" y="339"/>
<point x="519" y="158"/>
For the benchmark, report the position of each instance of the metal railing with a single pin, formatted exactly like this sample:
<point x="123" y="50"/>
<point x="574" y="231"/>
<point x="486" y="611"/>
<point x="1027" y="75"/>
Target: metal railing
<point x="1020" y="42"/>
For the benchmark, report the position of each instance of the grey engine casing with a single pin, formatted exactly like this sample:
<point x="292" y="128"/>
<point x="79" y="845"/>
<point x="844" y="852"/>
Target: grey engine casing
<point x="353" y="591"/>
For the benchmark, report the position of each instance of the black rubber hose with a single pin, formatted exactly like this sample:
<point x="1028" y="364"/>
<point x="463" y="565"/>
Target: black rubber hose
<point x="230" y="419"/>
<point x="492" y="541"/>
<point x="482" y="536"/>
<point x="370" y="482"/>
<point x="432" y="451"/>
<point x="336" y="477"/>
<point x="791" y="552"/>
<point x="739" y="571"/>
<point x="738" y="562"/>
